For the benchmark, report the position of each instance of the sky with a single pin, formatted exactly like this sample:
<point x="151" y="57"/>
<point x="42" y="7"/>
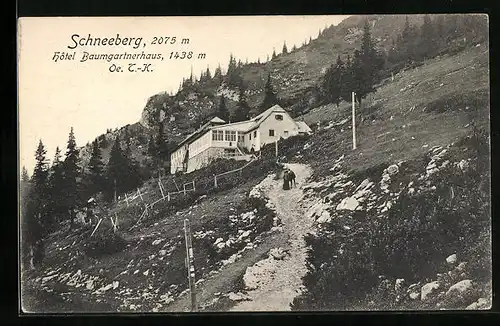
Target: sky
<point x="57" y="95"/>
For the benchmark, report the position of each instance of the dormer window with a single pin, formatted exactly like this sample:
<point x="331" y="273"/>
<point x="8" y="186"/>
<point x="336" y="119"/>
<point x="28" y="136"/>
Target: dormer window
<point x="279" y="117"/>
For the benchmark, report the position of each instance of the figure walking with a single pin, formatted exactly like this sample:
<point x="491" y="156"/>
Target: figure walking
<point x="286" y="180"/>
<point x="291" y="177"/>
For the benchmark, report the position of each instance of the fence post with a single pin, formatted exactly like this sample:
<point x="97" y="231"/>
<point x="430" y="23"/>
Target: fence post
<point x="190" y="264"/>
<point x="215" y="181"/>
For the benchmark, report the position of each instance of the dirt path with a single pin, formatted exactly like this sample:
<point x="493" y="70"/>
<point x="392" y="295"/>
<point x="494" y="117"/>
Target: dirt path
<point x="280" y="280"/>
<point x="278" y="290"/>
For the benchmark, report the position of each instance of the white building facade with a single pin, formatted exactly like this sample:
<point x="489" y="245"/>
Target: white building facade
<point x="234" y="140"/>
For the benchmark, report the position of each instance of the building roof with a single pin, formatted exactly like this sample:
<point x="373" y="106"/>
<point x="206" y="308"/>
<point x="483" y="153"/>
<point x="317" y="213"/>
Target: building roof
<point x="243" y="126"/>
<point x="303" y="127"/>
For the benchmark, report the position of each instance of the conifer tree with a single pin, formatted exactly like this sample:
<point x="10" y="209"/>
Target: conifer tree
<point x="270" y="97"/>
<point x="71" y="174"/>
<point x="274" y="54"/>
<point x="222" y="111"/>
<point x="332" y="82"/>
<point x="208" y="75"/>
<point x="95" y="167"/>
<point x="294" y="48"/>
<point x="56" y="184"/>
<point x="285" y="50"/>
<point x="33" y="222"/>
<point x="242" y="111"/>
<point x="24" y="175"/>
<point x="428" y="39"/>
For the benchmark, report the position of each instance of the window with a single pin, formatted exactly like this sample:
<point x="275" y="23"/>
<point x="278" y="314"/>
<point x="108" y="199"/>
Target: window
<point x="286" y="133"/>
<point x="278" y="117"/>
<point x="271" y="132"/>
<point x="217" y="135"/>
<point x="250" y="136"/>
<point x="241" y="138"/>
<point x="230" y="135"/>
<point x="255" y="134"/>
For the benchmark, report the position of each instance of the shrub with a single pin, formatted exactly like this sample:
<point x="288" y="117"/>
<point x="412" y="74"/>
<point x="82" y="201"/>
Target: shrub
<point x="410" y="242"/>
<point x="103" y="243"/>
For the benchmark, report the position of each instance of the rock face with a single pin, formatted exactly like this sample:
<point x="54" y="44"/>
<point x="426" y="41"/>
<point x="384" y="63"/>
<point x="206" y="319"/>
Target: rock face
<point x="429" y="289"/>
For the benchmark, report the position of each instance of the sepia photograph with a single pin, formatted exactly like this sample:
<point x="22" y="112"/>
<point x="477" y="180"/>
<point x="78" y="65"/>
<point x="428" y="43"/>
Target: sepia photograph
<point x="254" y="163"/>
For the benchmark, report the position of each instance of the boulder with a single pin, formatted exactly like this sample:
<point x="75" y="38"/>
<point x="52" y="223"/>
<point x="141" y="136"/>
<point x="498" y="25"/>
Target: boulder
<point x="348" y="203"/>
<point x="429" y="289"/>
<point x="480" y="304"/>
<point x="452" y="259"/>
<point x="325" y="217"/>
<point x="460" y="288"/>
<point x="393" y="169"/>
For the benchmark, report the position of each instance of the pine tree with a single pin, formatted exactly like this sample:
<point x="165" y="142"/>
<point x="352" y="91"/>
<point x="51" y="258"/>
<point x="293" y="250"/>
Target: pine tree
<point x="332" y="82"/>
<point x="270" y="97"/>
<point x="267" y="59"/>
<point x="121" y="172"/>
<point x="126" y="138"/>
<point x="222" y="111"/>
<point x="116" y="171"/>
<point x="366" y="65"/>
<point x="348" y="84"/>
<point x="428" y="40"/>
<point x="285" y="50"/>
<point x="294" y="48"/>
<point x="56" y="184"/>
<point x="34" y="227"/>
<point x="24" y="175"/>
<point x="208" y="75"/>
<point x="160" y="142"/>
<point x="152" y="146"/>
<point x="274" y="54"/>
<point x="242" y="111"/>
<point x="218" y="75"/>
<point x="70" y="177"/>
<point x="95" y="179"/>
<point x="258" y="60"/>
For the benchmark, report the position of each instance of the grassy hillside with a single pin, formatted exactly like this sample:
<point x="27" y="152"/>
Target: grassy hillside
<point x="423" y="118"/>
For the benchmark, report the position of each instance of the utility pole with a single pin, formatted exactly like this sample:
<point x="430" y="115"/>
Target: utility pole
<point x="190" y="264"/>
<point x="353" y="121"/>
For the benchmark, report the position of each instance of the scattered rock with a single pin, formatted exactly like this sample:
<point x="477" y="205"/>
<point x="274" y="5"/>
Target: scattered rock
<point x="428" y="289"/>
<point x="238" y="296"/>
<point x="480" y="304"/>
<point x="348" y="203"/>
<point x="392" y="170"/>
<point x="157" y="242"/>
<point x="460" y="287"/>
<point x="278" y="253"/>
<point x="452" y="259"/>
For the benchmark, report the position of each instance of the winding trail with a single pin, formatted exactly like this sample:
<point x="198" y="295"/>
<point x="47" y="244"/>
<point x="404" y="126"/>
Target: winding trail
<point x="279" y="286"/>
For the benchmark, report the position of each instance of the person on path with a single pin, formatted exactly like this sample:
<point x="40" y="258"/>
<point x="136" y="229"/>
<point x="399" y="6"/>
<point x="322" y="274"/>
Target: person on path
<point x="291" y="177"/>
<point x="286" y="181"/>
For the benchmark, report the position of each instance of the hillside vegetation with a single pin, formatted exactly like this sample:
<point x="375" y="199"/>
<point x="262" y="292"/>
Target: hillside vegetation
<point x="402" y="222"/>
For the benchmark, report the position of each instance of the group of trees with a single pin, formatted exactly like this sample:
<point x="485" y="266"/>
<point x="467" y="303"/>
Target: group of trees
<point x="55" y="192"/>
<point x="366" y="66"/>
<point x="358" y="74"/>
<point x="436" y="36"/>
<point x="243" y="111"/>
